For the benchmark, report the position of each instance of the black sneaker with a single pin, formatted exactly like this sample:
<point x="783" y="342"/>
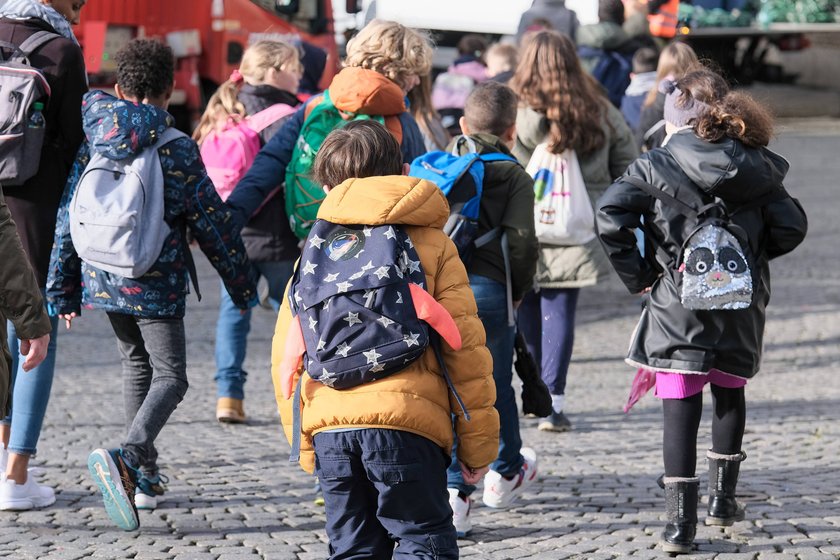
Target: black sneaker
<point x="557" y="422"/>
<point x="116" y="480"/>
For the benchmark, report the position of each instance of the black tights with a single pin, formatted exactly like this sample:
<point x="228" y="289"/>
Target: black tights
<point x="682" y="419"/>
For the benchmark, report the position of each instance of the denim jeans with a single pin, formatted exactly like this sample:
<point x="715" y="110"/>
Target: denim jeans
<point x="547" y="322"/>
<point x="233" y="327"/>
<point x="154" y="362"/>
<point x="381" y="488"/>
<point x="30" y="393"/>
<point x="491" y="299"/>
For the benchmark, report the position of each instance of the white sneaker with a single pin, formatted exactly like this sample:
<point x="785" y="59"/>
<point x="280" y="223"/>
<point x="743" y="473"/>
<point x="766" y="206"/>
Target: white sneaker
<point x="500" y="492"/>
<point x="18" y="497"/>
<point x="460" y="512"/>
<point x="144" y="501"/>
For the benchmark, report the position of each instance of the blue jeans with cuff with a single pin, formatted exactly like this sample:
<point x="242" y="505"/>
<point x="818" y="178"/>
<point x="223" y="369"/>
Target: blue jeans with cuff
<point x="384" y="488"/>
<point x="233" y="327"/>
<point x="491" y="298"/>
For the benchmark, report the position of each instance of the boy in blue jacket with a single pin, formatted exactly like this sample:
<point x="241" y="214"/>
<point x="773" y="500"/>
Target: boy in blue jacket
<point x="147" y="312"/>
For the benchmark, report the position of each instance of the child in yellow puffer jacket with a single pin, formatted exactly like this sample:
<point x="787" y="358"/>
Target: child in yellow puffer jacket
<point x="381" y="449"/>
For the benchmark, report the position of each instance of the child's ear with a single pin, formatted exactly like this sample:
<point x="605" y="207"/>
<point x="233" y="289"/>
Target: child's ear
<point x="462" y="122"/>
<point x="326" y="188"/>
<point x="509" y="135"/>
<point x="406" y="168"/>
<point x="118" y="90"/>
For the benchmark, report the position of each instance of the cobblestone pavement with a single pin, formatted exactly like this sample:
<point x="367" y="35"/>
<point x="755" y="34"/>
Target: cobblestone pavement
<point x="233" y="494"/>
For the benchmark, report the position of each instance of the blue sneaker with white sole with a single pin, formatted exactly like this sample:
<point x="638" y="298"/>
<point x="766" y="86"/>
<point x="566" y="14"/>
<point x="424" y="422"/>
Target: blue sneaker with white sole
<point x="116" y="480"/>
<point x="150" y="487"/>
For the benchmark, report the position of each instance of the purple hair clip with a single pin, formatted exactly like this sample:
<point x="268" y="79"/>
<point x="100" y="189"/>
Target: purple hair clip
<point x="667" y="85"/>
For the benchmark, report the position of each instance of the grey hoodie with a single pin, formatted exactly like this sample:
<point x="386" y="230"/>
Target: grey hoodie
<point x="562" y="18"/>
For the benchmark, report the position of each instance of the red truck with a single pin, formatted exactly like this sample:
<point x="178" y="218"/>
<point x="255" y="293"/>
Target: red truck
<point x="208" y="38"/>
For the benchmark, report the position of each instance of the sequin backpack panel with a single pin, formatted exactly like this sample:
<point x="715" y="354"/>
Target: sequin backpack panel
<point x="715" y="268"/>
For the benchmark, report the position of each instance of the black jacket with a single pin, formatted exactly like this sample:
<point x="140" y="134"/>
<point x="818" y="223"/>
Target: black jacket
<point x="267" y="235"/>
<point x="670" y="337"/>
<point x="507" y="201"/>
<point x="34" y="204"/>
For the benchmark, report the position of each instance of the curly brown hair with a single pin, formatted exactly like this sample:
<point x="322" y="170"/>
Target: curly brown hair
<point x="145" y="68"/>
<point x="731" y="113"/>
<point x="550" y="80"/>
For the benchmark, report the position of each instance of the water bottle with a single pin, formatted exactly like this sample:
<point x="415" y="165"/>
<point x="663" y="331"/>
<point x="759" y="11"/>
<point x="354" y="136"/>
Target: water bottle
<point x="36" y="119"/>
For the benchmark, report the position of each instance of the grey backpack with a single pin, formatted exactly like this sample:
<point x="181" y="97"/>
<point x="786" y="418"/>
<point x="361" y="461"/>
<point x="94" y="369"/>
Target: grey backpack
<point x="21" y="127"/>
<point x="116" y="214"/>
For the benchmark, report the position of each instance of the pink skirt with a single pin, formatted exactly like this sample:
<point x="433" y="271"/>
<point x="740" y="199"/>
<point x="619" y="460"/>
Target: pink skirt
<point x="682" y="385"/>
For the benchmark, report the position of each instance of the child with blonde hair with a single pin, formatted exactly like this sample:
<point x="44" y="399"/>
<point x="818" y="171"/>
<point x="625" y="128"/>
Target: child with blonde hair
<point x="675" y="60"/>
<point x="501" y="59"/>
<point x="384" y="62"/>
<point x="241" y="117"/>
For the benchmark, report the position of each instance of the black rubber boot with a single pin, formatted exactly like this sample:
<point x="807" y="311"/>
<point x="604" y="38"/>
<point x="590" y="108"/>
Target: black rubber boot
<point x="681" y="510"/>
<point x="723" y="477"/>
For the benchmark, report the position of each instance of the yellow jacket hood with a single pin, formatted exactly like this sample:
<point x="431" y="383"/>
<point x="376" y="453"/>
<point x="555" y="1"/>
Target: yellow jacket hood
<point x="393" y="199"/>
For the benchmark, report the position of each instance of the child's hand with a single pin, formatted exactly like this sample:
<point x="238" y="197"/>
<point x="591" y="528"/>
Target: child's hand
<point x="68" y="319"/>
<point x="645" y="291"/>
<point x="472" y="476"/>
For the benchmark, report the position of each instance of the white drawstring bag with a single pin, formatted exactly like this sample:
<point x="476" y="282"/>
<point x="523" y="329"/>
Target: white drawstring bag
<point x="563" y="213"/>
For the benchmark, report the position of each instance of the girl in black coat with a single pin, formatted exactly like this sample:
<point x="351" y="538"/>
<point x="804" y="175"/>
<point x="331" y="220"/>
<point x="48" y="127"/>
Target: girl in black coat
<point x="715" y="151"/>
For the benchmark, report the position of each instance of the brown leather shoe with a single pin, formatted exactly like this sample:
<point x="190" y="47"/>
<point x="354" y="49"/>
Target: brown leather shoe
<point x="230" y="411"/>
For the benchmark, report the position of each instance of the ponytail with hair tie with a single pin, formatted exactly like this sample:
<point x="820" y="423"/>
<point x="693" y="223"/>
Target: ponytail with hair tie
<point x="236" y="76"/>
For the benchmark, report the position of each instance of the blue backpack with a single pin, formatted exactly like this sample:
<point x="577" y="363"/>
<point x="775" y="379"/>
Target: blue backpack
<point x="360" y="304"/>
<point x="612" y="70"/>
<point x="461" y="179"/>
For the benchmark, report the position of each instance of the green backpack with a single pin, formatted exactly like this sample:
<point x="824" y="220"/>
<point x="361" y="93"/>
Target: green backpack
<point x="303" y="194"/>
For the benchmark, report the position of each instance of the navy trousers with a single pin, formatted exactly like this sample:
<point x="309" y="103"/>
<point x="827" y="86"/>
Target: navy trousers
<point x="384" y="489"/>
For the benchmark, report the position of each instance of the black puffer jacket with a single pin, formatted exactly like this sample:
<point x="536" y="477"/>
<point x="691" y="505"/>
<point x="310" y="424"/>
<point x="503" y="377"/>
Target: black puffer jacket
<point x="670" y="337"/>
<point x="267" y="235"/>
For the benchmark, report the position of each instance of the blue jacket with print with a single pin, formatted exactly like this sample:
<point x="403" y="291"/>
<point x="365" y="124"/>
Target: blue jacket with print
<point x="120" y="129"/>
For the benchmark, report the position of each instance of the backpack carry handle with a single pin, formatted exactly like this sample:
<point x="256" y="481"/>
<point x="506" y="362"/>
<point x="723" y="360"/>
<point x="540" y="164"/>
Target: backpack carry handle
<point x="464" y="139"/>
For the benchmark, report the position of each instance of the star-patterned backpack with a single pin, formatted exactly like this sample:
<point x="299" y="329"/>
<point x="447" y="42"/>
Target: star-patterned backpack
<point x="361" y="311"/>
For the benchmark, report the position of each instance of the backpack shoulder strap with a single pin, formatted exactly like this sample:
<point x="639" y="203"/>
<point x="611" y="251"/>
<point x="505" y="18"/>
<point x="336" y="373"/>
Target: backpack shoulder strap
<point x="498" y="156"/>
<point x="667" y="198"/>
<point x="36" y="41"/>
<point x="170" y="135"/>
<point x="268" y="116"/>
<point x="323" y="98"/>
<point x="653" y="130"/>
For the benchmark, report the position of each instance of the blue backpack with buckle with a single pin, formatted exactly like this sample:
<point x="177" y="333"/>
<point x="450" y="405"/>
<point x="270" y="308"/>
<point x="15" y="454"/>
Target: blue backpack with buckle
<point x="461" y="179"/>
